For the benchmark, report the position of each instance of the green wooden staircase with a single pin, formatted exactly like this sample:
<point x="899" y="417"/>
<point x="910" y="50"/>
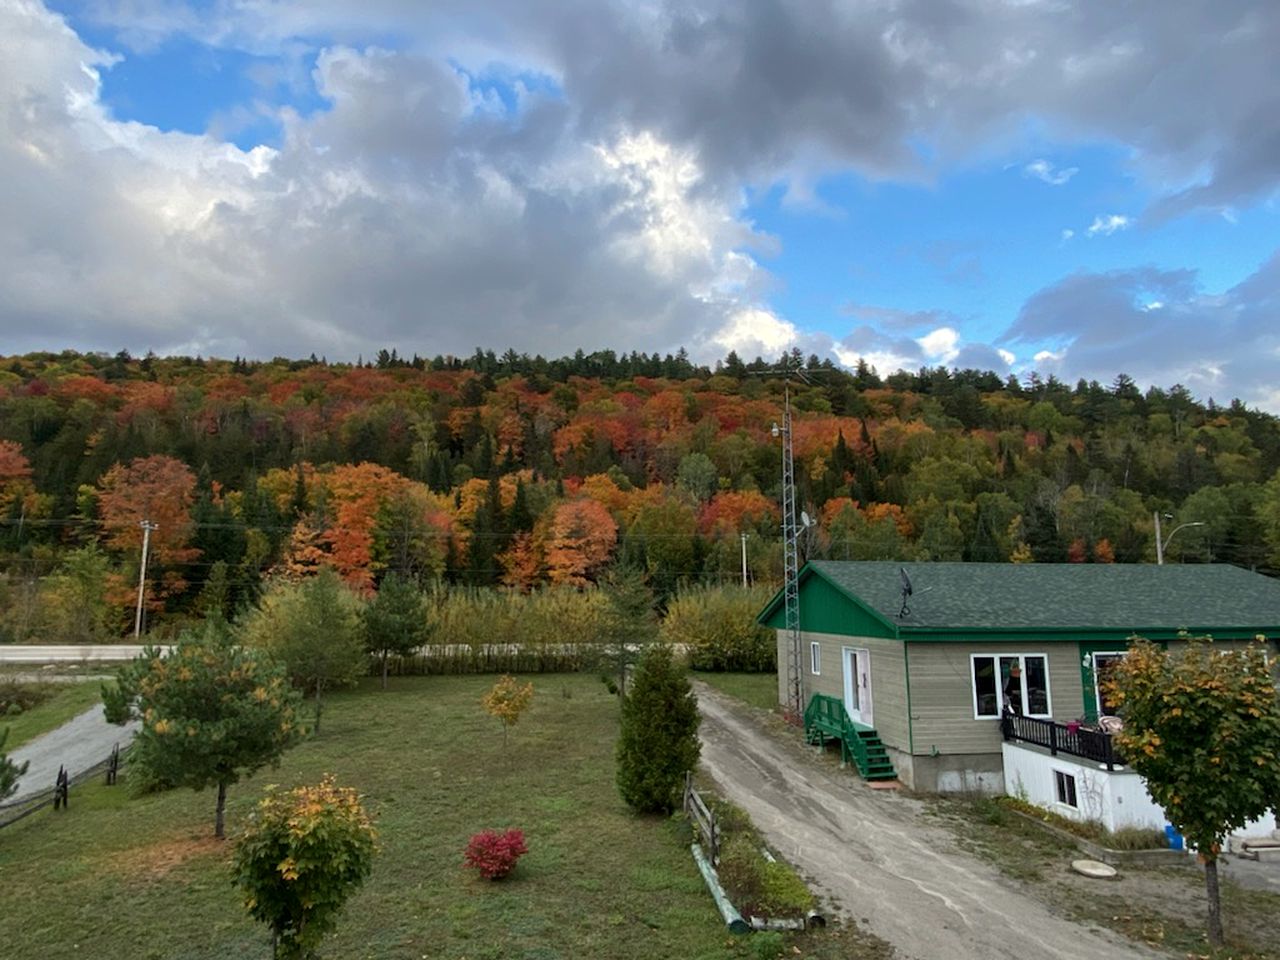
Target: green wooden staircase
<point x="826" y="719"/>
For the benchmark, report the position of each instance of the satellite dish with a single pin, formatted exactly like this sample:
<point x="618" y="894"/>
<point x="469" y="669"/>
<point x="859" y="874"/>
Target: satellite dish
<point x="906" y="593"/>
<point x="805" y="521"/>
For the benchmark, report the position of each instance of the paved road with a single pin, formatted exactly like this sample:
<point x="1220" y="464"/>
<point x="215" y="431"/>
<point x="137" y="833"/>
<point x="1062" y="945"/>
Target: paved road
<point x="78" y="744"/>
<point x="878" y="860"/>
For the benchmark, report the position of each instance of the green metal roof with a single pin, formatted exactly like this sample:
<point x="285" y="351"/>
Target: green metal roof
<point x="1057" y="596"/>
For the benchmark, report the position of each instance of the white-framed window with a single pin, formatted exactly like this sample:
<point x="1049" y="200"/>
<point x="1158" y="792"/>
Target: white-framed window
<point x="1104" y="660"/>
<point x="1065" y="788"/>
<point x="1017" y="681"/>
<point x="815" y="658"/>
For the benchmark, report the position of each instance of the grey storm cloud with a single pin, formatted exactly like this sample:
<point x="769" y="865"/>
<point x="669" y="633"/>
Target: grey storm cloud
<point x="1159" y="327"/>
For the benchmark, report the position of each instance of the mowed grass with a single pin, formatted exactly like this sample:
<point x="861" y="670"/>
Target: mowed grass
<point x="758" y="689"/>
<point x="141" y="877"/>
<point x="68" y="700"/>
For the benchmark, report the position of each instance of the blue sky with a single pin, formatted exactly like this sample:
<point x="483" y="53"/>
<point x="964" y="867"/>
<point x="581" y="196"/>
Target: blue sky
<point x="1068" y="188"/>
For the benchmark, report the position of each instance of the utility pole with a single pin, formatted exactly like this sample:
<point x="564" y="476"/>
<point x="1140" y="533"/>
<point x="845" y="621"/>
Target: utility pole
<point x="744" y="559"/>
<point x="147" y="527"/>
<point x="1159" y="542"/>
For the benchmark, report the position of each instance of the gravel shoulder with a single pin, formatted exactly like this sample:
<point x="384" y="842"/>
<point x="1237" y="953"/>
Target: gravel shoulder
<point x="877" y="858"/>
<point x="77" y="745"/>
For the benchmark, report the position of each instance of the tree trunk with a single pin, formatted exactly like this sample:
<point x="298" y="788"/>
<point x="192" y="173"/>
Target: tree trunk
<point x="384" y="669"/>
<point x="1215" y="902"/>
<point x="219" y="826"/>
<point x="319" y="689"/>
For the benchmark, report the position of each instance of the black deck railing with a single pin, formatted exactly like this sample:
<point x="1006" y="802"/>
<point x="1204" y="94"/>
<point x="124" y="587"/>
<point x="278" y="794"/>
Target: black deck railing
<point x="1075" y="741"/>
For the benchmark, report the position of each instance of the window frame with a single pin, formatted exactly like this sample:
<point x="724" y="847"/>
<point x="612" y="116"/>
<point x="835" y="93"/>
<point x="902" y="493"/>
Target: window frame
<point x="1097" y="675"/>
<point x="1062" y="779"/>
<point x="815" y="658"/>
<point x="1022" y="663"/>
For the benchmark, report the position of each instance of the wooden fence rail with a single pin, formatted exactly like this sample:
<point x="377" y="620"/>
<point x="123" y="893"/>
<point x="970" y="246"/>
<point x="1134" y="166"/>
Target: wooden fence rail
<point x="703" y="819"/>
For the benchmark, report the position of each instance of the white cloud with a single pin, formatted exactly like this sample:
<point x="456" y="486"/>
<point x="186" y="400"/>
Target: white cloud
<point x="940" y="345"/>
<point x="1107" y="225"/>
<point x="1067" y="234"/>
<point x="1008" y="357"/>
<point x="755" y="332"/>
<point x="1045" y="171"/>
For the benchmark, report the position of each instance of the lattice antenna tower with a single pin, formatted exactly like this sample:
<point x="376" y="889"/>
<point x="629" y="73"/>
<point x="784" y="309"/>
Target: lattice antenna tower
<point x="791" y="533"/>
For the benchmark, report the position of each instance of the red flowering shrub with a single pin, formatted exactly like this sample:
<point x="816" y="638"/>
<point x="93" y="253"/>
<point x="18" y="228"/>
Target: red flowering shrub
<point x="495" y="854"/>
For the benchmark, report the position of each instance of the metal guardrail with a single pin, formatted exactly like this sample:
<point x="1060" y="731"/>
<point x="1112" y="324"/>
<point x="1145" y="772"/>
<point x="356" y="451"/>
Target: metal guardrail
<point x="1072" y="739"/>
<point x="59" y="795"/>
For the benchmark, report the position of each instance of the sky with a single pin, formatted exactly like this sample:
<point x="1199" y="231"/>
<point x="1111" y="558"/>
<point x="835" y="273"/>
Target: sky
<point x="1072" y="188"/>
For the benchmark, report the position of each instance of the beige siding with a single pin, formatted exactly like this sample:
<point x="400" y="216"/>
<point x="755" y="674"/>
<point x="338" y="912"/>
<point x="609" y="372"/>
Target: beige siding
<point x="888" y="680"/>
<point x="942" y="693"/>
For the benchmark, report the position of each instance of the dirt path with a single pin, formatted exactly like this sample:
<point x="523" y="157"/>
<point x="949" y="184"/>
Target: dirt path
<point x="877" y="859"/>
<point x="78" y="744"/>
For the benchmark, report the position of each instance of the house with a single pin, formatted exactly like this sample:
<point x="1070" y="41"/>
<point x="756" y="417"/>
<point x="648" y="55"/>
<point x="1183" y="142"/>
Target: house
<point x="926" y="674"/>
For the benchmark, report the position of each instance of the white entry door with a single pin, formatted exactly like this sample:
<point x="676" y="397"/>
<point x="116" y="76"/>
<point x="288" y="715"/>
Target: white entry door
<point x="857" y="684"/>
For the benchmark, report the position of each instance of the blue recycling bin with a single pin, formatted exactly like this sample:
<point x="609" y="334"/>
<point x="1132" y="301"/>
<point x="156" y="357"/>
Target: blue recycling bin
<point x="1172" y="837"/>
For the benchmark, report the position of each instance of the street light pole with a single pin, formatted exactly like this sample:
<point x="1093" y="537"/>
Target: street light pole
<point x="744" y="559"/>
<point x="147" y="527"/>
<point x="1162" y="545"/>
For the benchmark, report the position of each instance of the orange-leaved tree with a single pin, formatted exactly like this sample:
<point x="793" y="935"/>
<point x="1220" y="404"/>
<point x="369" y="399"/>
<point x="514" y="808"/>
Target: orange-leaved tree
<point x="580" y="540"/>
<point x="161" y="490"/>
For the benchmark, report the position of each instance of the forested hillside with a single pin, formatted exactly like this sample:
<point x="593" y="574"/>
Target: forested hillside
<point x="521" y="471"/>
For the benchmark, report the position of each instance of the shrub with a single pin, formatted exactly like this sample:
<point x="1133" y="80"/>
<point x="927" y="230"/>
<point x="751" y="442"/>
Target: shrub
<point x="495" y="854"/>
<point x="16" y="698"/>
<point x="717" y="625"/>
<point x="658" y="740"/>
<point x="759" y="886"/>
<point x="303" y="854"/>
<point x="9" y="771"/>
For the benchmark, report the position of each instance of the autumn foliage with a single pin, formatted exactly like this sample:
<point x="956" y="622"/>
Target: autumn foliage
<point x="303" y="854"/>
<point x="579" y="542"/>
<point x="507" y="701"/>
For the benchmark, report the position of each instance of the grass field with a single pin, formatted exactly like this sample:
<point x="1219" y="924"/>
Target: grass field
<point x="68" y="700"/>
<point x="141" y="877"/>
<point x="758" y="689"/>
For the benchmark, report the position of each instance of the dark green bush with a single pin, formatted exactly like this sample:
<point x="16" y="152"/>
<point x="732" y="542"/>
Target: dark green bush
<point x="658" y="741"/>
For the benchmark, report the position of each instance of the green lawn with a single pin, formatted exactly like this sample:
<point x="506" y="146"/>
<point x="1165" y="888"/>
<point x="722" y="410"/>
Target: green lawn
<point x="68" y="700"/>
<point x="119" y="876"/>
<point x="757" y="689"/>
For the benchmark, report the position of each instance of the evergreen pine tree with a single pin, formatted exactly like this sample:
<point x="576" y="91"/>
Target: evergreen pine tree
<point x="658" y="740"/>
<point x="9" y="771"/>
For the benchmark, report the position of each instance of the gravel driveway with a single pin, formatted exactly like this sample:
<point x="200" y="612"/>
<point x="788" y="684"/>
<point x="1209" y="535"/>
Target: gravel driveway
<point x="875" y="857"/>
<point x="78" y="744"/>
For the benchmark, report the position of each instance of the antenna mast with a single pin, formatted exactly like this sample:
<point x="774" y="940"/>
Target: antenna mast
<point x="791" y="531"/>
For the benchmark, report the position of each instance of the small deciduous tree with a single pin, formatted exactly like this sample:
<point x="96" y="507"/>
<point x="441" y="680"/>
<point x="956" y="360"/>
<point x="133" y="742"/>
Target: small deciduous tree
<point x="212" y="712"/>
<point x="1202" y="727"/>
<point x="394" y="621"/>
<point x="9" y="771"/>
<point x="507" y="701"/>
<point x="313" y="628"/>
<point x="658" y="740"/>
<point x="302" y="855"/>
